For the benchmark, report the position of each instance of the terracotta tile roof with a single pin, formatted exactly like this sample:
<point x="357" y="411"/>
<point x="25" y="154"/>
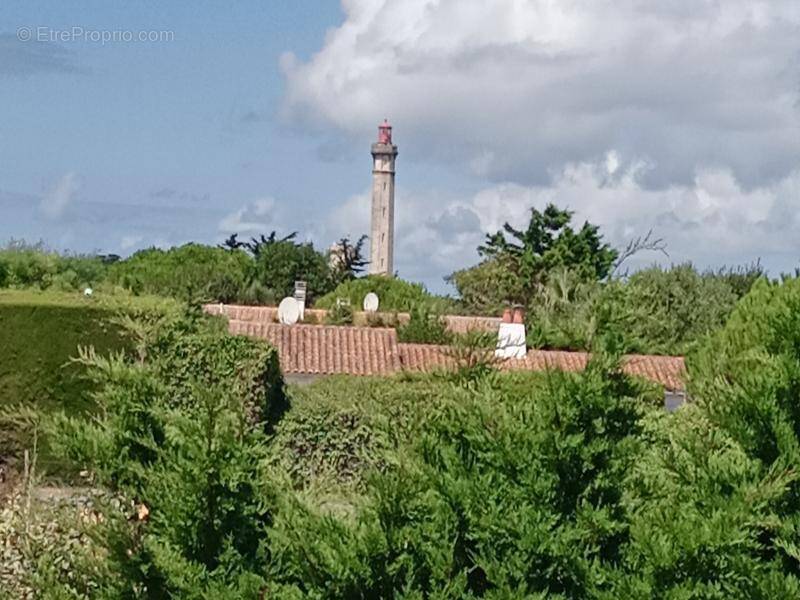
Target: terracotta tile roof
<point x="540" y="360"/>
<point x="669" y="371"/>
<point x="424" y="357"/>
<point x="666" y="370"/>
<point x="325" y="350"/>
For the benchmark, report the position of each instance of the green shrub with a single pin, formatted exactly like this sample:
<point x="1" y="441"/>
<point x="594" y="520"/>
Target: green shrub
<point x="340" y="428"/>
<point x="424" y="327"/>
<point x="715" y="499"/>
<point x="747" y="377"/>
<point x="281" y="263"/>
<point x="199" y="351"/>
<point x="29" y="266"/>
<point x="706" y="518"/>
<point x="257" y="293"/>
<point x="568" y="313"/>
<point x="192" y="272"/>
<point x="523" y="485"/>
<point x="24" y="265"/>
<point x="176" y="432"/>
<point x="488" y="287"/>
<point x="340" y="314"/>
<point x="676" y="307"/>
<point x="40" y="336"/>
<point x="473" y="357"/>
<point x="85" y="271"/>
<point x="654" y="311"/>
<point x="330" y="443"/>
<point x="311" y="319"/>
<point x="501" y="492"/>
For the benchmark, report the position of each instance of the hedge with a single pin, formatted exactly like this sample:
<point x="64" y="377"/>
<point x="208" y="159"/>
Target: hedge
<point x="41" y="331"/>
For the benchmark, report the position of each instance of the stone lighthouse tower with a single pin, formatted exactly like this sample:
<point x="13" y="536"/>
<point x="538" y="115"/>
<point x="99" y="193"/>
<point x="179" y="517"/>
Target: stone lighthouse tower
<point x="382" y="236"/>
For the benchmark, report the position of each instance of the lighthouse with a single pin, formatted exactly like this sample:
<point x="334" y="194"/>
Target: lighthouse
<point x="384" y="154"/>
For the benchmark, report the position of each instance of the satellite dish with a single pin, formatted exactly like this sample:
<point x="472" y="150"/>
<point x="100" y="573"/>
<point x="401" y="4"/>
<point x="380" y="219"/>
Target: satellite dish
<point x="289" y="311"/>
<point x="88" y="292"/>
<point x="371" y="302"/>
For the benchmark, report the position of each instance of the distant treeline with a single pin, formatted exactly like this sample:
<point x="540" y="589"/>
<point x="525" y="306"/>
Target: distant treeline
<point x="260" y="272"/>
<point x="570" y="281"/>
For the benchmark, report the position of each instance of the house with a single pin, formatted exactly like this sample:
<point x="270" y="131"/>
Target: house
<point x="308" y="352"/>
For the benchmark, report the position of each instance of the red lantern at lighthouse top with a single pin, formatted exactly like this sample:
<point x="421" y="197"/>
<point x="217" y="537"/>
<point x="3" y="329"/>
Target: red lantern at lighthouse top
<point x="385" y="133"/>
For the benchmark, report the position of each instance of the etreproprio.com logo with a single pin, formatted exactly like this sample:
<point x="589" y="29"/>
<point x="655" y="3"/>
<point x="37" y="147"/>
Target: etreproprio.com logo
<point x="95" y="36"/>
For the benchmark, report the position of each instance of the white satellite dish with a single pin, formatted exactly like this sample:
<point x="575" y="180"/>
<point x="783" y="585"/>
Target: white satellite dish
<point x="88" y="292"/>
<point x="289" y="311"/>
<point x="371" y="302"/>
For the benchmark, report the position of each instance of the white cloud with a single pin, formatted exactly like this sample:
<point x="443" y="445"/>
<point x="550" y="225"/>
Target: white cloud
<point x="55" y="202"/>
<point x="351" y="218"/>
<point x="255" y="217"/>
<point x="680" y="116"/>
<point x="713" y="220"/>
<point x="515" y="89"/>
<point x="130" y="241"/>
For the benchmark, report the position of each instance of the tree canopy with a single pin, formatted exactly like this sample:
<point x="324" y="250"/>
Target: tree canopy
<point x="525" y="258"/>
<point x="548" y="243"/>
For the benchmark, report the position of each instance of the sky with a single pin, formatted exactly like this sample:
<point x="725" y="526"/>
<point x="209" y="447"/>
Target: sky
<point x="126" y="125"/>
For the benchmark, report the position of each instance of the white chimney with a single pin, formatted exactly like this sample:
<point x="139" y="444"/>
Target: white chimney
<point x="511" y="337"/>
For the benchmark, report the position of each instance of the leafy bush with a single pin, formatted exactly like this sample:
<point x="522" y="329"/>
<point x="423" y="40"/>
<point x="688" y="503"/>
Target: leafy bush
<point x="706" y="519"/>
<point x="714" y="500"/>
<point x="383" y="319"/>
<point x="747" y="376"/>
<point x="340" y="314"/>
<point x="341" y="428"/>
<point x="424" y="327"/>
<point x="192" y="272"/>
<point x="473" y="357"/>
<point x="500" y="494"/>
<point x="337" y="431"/>
<point x="566" y="488"/>
<point x="24" y="265"/>
<point x="517" y="262"/>
<point x="567" y="313"/>
<point x="676" y="306"/>
<point x="488" y="287"/>
<point x="198" y="351"/>
<point x="654" y="311"/>
<point x="281" y="263"/>
<point x="571" y="485"/>
<point x="176" y="432"/>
